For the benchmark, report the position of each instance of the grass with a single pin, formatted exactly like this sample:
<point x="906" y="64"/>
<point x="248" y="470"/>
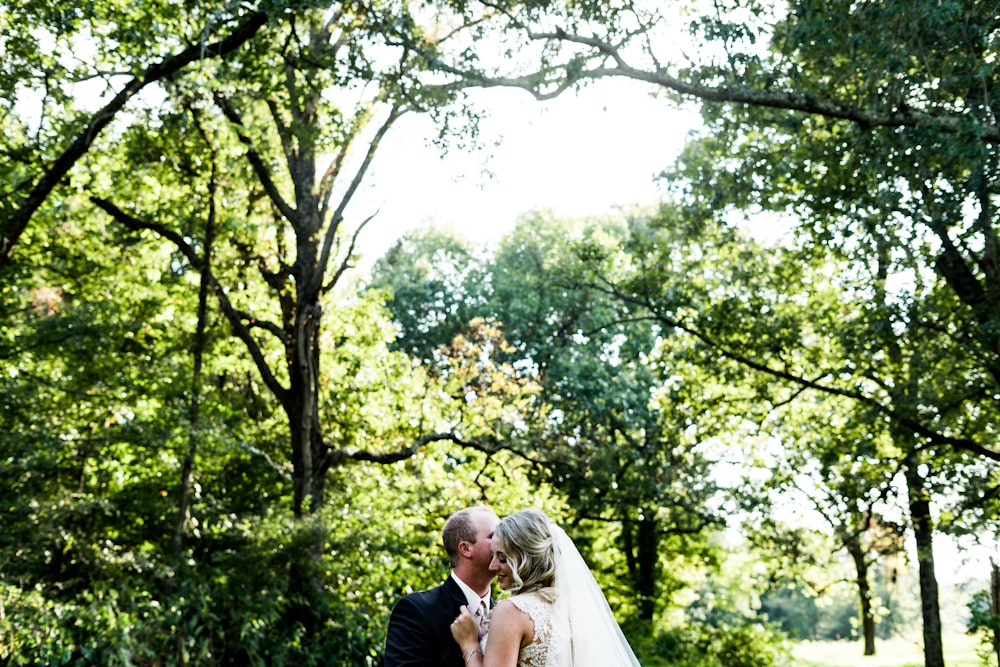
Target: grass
<point x="959" y="651"/>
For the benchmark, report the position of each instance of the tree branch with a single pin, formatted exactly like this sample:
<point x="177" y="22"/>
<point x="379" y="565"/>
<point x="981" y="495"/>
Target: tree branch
<point x="544" y="87"/>
<point x="338" y="456"/>
<point x="235" y="317"/>
<point x="933" y="436"/>
<point x="258" y="164"/>
<point x="338" y="214"/>
<point x="18" y="221"/>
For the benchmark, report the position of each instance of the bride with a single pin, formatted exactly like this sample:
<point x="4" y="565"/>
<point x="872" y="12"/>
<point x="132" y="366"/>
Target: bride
<point x="556" y="615"/>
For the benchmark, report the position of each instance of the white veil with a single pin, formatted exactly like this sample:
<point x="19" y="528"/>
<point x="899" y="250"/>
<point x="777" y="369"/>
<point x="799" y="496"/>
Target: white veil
<point x="585" y="632"/>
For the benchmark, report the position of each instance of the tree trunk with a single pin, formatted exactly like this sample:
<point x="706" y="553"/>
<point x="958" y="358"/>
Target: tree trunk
<point x="302" y="407"/>
<point x="305" y="581"/>
<point x="640" y="542"/>
<point x="194" y="406"/>
<point x="995" y="607"/>
<point x="648" y="555"/>
<point x="923" y="530"/>
<point x="864" y="594"/>
<point x="309" y="458"/>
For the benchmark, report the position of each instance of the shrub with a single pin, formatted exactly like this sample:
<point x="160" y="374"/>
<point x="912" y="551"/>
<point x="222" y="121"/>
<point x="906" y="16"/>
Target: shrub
<point x="699" y="645"/>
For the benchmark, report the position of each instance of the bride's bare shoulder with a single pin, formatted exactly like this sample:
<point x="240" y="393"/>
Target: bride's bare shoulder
<point x="507" y="609"/>
<point x="507" y="617"/>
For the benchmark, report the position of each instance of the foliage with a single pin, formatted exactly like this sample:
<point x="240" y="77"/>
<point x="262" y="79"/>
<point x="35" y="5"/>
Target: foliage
<point x="695" y="645"/>
<point x="835" y="611"/>
<point x="594" y="430"/>
<point x="985" y="622"/>
<point x="164" y="153"/>
<point x="226" y="601"/>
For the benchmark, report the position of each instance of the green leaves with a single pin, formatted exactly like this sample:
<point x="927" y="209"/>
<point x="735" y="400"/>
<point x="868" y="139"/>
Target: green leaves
<point x="592" y="424"/>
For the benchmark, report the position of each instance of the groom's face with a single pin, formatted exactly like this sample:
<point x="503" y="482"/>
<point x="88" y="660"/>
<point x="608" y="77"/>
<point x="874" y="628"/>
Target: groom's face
<point x="483" y="523"/>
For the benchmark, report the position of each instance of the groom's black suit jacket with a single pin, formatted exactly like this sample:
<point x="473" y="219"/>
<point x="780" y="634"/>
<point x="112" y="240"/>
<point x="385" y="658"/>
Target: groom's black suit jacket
<point x="420" y="628"/>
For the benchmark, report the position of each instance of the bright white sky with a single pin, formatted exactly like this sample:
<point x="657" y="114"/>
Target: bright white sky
<point x="576" y="155"/>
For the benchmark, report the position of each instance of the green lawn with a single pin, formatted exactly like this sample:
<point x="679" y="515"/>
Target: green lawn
<point x="959" y="651"/>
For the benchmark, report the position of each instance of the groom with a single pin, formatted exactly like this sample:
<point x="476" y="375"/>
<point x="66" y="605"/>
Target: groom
<point x="419" y="628"/>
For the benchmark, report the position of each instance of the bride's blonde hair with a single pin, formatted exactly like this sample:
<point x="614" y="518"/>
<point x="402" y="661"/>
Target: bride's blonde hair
<point x="525" y="537"/>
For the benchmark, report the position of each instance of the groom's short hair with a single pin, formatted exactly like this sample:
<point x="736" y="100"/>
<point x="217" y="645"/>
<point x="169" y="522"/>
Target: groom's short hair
<point x="458" y="528"/>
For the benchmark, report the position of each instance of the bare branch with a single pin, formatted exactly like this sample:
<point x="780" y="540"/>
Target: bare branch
<point x="346" y="263"/>
<point x="258" y="164"/>
<point x="338" y="214"/>
<point x="543" y="87"/>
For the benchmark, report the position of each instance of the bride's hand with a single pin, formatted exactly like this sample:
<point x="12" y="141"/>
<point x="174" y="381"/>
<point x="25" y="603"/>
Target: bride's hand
<point x="465" y="630"/>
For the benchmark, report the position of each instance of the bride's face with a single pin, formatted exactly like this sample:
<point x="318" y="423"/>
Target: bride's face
<point x="501" y="566"/>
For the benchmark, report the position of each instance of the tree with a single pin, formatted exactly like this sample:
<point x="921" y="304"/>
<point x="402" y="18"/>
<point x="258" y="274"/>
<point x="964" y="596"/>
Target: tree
<point x="599" y="433"/>
<point x="818" y="337"/>
<point x="873" y="125"/>
<point x="623" y="448"/>
<point x="33" y="35"/>
<point x="276" y="99"/>
<point x="236" y="181"/>
<point x="835" y="474"/>
<point x="793" y="102"/>
<point x="289" y="144"/>
<point x="436" y="283"/>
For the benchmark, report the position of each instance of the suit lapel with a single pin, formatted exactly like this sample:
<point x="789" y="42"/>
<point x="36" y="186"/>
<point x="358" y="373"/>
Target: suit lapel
<point x="455" y="594"/>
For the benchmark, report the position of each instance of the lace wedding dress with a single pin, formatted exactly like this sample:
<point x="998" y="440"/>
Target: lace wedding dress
<point x="574" y="626"/>
<point x="550" y="641"/>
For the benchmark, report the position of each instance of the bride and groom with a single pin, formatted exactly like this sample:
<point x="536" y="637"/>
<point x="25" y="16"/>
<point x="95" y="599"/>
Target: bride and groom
<point x="555" y="615"/>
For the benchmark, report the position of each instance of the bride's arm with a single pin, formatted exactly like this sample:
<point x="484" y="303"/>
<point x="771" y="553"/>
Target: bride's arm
<point x="510" y="629"/>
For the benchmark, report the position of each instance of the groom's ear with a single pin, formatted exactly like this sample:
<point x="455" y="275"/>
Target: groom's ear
<point x="465" y="548"/>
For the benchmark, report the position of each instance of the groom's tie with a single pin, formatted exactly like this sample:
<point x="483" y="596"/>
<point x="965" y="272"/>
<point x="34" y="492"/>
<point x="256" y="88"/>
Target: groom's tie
<point x="481" y="618"/>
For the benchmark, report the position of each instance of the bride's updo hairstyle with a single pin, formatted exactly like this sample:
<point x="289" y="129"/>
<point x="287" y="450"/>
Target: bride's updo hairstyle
<point x="525" y="537"/>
